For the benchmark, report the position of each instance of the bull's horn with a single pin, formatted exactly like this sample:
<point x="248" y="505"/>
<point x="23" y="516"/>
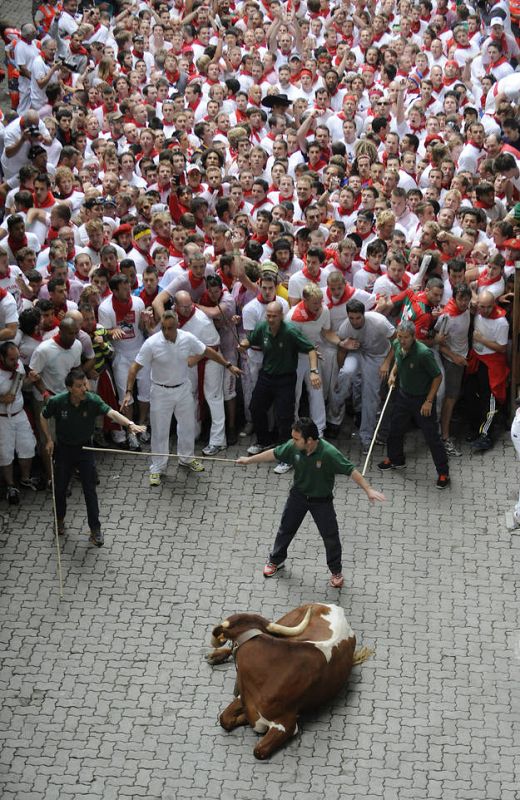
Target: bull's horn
<point x="283" y="630"/>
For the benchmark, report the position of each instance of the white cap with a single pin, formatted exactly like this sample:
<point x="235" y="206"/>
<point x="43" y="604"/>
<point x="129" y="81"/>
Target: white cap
<point x="497" y="21"/>
<point x="191" y="167"/>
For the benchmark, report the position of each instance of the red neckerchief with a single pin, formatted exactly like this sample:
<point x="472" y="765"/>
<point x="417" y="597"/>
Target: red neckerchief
<point x="261" y="299"/>
<point x="363" y="236"/>
<point x="194" y="282"/>
<point x="47" y="203"/>
<point x="227" y="280"/>
<point x="482" y="204"/>
<point x="496" y="313"/>
<point x="206" y="300"/>
<point x="121" y="308"/>
<point x="368" y="268"/>
<point x="474" y="144"/>
<point x="169" y="246"/>
<point x="14" y="247"/>
<point x="451" y="309"/>
<point x="449" y="81"/>
<point x="173" y="77"/>
<point x="184" y="320"/>
<point x="77" y="49"/>
<point x="259" y="239"/>
<point x="483" y="279"/>
<point x="345" y="297"/>
<point x="144" y="254"/>
<point x="59" y="342"/>
<point x="261" y="203"/>
<point x="309" y="277"/>
<point x="147" y="298"/>
<point x="302" y="314"/>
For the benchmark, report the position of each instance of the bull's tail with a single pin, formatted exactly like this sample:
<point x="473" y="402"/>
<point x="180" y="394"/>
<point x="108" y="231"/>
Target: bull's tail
<point x="362" y="654"/>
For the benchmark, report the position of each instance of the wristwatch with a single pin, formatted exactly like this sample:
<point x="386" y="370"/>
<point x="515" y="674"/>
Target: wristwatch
<point x="316" y="371"/>
<point x="228" y="365"/>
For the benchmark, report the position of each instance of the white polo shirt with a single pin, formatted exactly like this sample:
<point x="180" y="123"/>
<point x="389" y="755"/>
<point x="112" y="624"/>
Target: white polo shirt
<point x="312" y="328"/>
<point x="496" y="330"/>
<point x="168" y="361"/>
<point x="12" y="385"/>
<point x="8" y="311"/>
<point x="203" y="328"/>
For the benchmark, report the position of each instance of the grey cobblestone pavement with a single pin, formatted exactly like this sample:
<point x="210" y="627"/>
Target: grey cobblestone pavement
<point x="106" y="694"/>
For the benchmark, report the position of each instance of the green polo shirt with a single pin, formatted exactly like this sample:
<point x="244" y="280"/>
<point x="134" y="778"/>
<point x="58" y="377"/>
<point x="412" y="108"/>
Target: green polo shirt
<point x="314" y="474"/>
<point x="74" y="424"/>
<point x="280" y="351"/>
<point x="416" y="369"/>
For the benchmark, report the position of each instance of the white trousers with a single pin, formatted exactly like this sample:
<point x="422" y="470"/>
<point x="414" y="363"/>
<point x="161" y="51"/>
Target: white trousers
<point x="163" y="404"/>
<point x="515" y="438"/>
<point x="16" y="436"/>
<point x="120" y="366"/>
<point x="214" y="396"/>
<point x="316" y="399"/>
<point x="359" y="366"/>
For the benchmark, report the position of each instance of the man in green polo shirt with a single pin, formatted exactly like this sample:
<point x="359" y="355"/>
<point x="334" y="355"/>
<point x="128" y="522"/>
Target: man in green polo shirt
<point x="281" y="342"/>
<point x="419" y="380"/>
<point x="316" y="464"/>
<point x="75" y="412"/>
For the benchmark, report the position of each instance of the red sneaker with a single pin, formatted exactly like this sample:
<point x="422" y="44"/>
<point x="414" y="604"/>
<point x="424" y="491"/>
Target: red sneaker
<point x="271" y="569"/>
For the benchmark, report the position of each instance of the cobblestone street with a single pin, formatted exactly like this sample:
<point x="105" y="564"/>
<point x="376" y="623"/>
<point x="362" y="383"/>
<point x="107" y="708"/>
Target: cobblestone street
<point x="107" y="694"/>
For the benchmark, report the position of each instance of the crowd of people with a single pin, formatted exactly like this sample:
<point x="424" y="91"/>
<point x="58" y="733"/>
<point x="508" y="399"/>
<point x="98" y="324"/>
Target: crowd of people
<point x="228" y="210"/>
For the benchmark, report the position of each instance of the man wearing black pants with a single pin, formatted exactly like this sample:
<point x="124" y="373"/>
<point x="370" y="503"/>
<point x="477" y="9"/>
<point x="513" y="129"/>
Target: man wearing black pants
<point x="75" y="412"/>
<point x="419" y="380"/>
<point x="280" y="342"/>
<point x="316" y="463"/>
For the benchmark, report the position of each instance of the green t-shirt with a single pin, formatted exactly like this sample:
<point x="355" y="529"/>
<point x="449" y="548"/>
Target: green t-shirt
<point x="314" y="474"/>
<point x="416" y="369"/>
<point x="74" y="424"/>
<point x="280" y="351"/>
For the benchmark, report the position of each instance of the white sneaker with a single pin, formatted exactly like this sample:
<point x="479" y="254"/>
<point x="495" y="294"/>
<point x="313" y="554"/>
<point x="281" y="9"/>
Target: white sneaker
<point x="248" y="429"/>
<point x="282" y="468"/>
<point x="512" y="524"/>
<point x="255" y="449"/>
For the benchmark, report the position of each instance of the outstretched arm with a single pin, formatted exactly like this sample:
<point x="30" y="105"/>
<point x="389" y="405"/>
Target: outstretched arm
<point x="371" y="493"/>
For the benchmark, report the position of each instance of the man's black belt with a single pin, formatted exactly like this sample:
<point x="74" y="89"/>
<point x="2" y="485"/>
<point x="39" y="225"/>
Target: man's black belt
<point x="165" y="385"/>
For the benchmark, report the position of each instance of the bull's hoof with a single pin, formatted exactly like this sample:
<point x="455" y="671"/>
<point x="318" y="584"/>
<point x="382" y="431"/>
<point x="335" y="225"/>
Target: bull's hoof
<point x="227" y="724"/>
<point x="259" y="753"/>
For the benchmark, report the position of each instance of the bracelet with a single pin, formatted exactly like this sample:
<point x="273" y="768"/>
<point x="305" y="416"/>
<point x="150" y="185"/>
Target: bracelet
<point x="428" y="401"/>
<point x="228" y="365"/>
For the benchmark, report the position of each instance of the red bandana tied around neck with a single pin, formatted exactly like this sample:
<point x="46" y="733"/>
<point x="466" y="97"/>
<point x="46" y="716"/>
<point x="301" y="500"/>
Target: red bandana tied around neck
<point x="194" y="282"/>
<point x="310" y="278"/>
<point x="59" y="342"/>
<point x="46" y="203"/>
<point x="206" y="300"/>
<point x="451" y="308"/>
<point x="147" y="298"/>
<point x="184" y="320"/>
<point x="302" y="314"/>
<point x="484" y="280"/>
<point x="345" y="297"/>
<point x="121" y="308"/>
<point x="14" y="246"/>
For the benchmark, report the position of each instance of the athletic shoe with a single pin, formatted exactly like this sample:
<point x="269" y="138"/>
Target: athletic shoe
<point x="282" y="468"/>
<point x="31" y="483"/>
<point x="482" y="444"/>
<point x="512" y="523"/>
<point x="144" y="437"/>
<point x="97" y="538"/>
<point x="271" y="569"/>
<point x="133" y="443"/>
<point x="193" y="465"/>
<point x="387" y="464"/>
<point x="213" y="449"/>
<point x="61" y="527"/>
<point x="13" y="496"/>
<point x="337" y="581"/>
<point x="247" y="430"/>
<point x="451" y="450"/>
<point x="443" y="481"/>
<point x="155" y="478"/>
<point x="365" y="448"/>
<point x="255" y="449"/>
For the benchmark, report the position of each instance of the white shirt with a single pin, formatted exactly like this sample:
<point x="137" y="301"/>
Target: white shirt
<point x="39" y="70"/>
<point x="8" y="311"/>
<point x="203" y="328"/>
<point x="496" y="330"/>
<point x="373" y="336"/>
<point x="298" y="281"/>
<point x="312" y="328"/>
<point x="12" y="385"/>
<point x="53" y="363"/>
<point x="11" y="166"/>
<point x="167" y="360"/>
<point x="456" y="329"/>
<point x="130" y="344"/>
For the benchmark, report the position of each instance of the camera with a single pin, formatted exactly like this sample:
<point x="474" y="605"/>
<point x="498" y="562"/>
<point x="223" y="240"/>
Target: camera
<point x="33" y="130"/>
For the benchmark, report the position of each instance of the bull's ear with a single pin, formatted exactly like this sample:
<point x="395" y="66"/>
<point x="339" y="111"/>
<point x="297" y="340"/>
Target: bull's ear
<point x="219" y="634"/>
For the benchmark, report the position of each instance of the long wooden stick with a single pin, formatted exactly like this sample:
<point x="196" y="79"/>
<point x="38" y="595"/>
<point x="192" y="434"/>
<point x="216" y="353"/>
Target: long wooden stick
<point x="372" y="443"/>
<point x="160" y="455"/>
<point x="56" y="534"/>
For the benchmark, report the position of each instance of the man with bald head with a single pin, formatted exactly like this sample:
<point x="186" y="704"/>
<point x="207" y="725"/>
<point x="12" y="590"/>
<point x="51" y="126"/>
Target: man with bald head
<point x="280" y="342"/>
<point x="19" y="136"/>
<point x="486" y="384"/>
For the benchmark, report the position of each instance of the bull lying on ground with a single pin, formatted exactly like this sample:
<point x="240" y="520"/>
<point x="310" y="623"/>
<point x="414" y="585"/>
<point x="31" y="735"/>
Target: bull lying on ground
<point x="285" y="668"/>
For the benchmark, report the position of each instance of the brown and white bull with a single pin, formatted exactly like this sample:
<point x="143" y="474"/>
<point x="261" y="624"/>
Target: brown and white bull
<point x="285" y="668"/>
